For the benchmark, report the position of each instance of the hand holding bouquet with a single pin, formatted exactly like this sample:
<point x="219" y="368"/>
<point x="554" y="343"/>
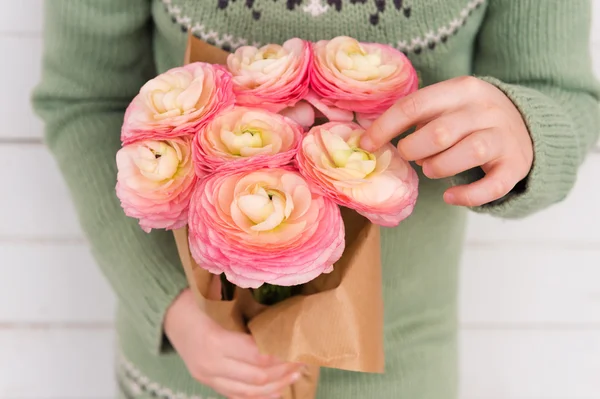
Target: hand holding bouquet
<point x="257" y="159"/>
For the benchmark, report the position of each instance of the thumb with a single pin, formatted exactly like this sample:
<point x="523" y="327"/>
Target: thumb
<point x="370" y="140"/>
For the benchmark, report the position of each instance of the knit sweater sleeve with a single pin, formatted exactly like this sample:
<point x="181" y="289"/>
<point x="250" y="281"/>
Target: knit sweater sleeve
<point x="97" y="54"/>
<point x="537" y="53"/>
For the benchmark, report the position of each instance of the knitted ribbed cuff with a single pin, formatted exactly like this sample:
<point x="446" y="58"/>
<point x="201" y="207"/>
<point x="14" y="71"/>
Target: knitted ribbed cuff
<point x="556" y="155"/>
<point x="143" y="269"/>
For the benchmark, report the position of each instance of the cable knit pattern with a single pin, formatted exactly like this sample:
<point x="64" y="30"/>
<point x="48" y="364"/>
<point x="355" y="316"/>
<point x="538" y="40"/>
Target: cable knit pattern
<point x="99" y="53"/>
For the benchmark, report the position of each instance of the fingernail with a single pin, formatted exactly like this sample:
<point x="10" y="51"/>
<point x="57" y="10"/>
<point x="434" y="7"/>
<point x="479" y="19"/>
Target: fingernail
<point x="449" y="198"/>
<point x="295" y="377"/>
<point x="366" y="143"/>
<point x="399" y="148"/>
<point x="276" y="396"/>
<point x="426" y="169"/>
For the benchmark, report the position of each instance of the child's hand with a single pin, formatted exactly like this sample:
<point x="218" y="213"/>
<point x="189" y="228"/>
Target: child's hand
<point x="461" y="123"/>
<point x="228" y="362"/>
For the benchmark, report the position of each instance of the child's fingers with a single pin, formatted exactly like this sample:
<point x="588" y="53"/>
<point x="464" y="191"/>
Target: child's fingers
<point x="254" y="375"/>
<point x="235" y="388"/>
<point x="441" y="134"/>
<point x="497" y="183"/>
<point x="475" y="150"/>
<point x="242" y="347"/>
<point x="414" y="109"/>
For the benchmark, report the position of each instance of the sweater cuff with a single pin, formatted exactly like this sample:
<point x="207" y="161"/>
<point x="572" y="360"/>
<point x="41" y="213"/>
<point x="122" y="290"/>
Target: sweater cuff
<point x="555" y="161"/>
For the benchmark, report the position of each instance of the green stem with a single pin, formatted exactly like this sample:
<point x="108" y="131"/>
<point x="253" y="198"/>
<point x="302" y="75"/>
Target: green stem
<point x="268" y="294"/>
<point x="227" y="288"/>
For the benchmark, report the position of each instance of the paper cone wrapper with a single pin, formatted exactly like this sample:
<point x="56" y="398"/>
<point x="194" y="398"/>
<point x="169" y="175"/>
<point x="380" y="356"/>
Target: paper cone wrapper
<point x="337" y="321"/>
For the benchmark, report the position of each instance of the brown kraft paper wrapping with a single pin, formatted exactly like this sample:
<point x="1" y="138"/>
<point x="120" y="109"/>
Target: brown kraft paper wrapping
<point x="336" y="322"/>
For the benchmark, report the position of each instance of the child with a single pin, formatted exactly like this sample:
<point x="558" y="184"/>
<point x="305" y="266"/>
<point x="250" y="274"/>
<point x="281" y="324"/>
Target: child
<point x="509" y="141"/>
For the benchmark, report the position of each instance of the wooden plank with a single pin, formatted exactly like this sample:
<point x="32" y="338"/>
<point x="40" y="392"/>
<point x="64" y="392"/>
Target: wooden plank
<point x="530" y="286"/>
<point x="52" y="364"/>
<point x="530" y="364"/>
<point x="19" y="73"/>
<point x="37" y="203"/>
<point x="47" y="211"/>
<point x="495" y="364"/>
<point x="21" y="17"/>
<point x="569" y="222"/>
<point x="596" y="21"/>
<point x="59" y="283"/>
<point x="596" y="48"/>
<point x="52" y="283"/>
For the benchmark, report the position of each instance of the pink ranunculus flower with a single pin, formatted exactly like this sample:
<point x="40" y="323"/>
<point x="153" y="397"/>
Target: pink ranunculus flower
<point x="177" y="102"/>
<point x="366" y="78"/>
<point x="155" y="182"/>
<point x="245" y="138"/>
<point x="380" y="186"/>
<point x="273" y="77"/>
<point x="264" y="226"/>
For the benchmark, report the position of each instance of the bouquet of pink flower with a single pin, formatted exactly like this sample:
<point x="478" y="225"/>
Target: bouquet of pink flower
<point x="257" y="168"/>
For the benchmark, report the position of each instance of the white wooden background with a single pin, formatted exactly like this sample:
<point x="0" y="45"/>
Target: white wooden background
<point x="530" y="296"/>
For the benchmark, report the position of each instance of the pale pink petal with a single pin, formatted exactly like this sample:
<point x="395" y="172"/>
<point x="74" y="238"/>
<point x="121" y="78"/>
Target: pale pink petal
<point x="332" y="113"/>
<point x="303" y="113"/>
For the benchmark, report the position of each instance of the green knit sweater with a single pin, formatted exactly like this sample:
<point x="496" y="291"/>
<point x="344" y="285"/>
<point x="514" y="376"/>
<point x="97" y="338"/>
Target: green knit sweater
<point x="99" y="53"/>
